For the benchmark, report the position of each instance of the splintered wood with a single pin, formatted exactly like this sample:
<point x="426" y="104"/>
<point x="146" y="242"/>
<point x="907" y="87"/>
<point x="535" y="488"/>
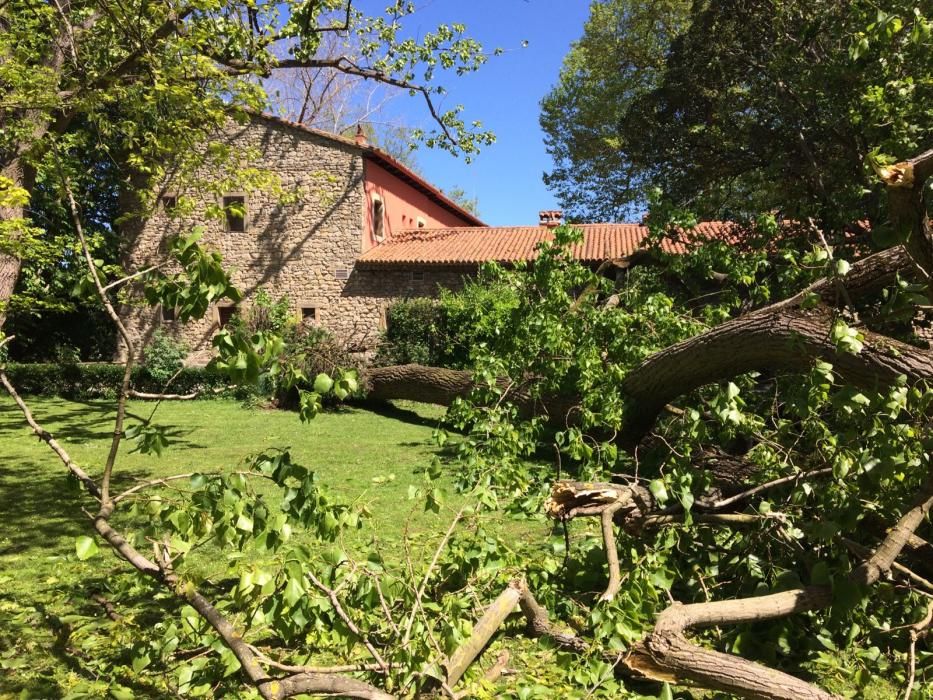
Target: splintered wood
<point x="573" y="499"/>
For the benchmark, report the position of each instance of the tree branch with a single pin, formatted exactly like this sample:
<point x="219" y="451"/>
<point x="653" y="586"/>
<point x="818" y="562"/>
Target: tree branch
<point x="338" y="608"/>
<point x="124" y="334"/>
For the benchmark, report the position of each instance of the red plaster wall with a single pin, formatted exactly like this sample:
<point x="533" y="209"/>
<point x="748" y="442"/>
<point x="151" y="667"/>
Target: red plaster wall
<point x="402" y="204"/>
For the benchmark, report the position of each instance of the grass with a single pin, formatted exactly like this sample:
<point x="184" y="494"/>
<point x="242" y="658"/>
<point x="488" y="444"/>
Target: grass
<point x="40" y="517"/>
<point x="41" y="580"/>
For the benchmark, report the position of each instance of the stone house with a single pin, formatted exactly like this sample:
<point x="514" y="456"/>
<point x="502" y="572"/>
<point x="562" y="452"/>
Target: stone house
<point x="365" y="230"/>
<point x="352" y="198"/>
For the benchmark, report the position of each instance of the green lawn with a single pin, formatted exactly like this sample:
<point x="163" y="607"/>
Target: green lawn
<point x="40" y="517"/>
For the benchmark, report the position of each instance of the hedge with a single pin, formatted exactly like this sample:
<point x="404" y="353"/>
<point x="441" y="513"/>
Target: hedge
<point x="86" y="381"/>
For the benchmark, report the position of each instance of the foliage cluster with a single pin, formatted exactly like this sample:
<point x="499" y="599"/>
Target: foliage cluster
<point x="305" y="351"/>
<point x="739" y="107"/>
<point x="870" y="445"/>
<point x="86" y="381"/>
<point x="164" y="356"/>
<point x="444" y="332"/>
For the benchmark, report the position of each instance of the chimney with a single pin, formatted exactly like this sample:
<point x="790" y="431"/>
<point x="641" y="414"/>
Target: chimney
<point x="550" y="218"/>
<point x="360" y="136"/>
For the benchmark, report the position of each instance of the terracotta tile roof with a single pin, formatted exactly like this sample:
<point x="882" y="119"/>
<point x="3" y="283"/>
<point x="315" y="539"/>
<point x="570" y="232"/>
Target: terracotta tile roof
<point x="509" y="244"/>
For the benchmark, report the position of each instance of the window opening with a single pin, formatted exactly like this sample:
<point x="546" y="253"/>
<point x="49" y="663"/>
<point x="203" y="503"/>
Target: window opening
<point x="378" y="218"/>
<point x="225" y="314"/>
<point x="235" y="213"/>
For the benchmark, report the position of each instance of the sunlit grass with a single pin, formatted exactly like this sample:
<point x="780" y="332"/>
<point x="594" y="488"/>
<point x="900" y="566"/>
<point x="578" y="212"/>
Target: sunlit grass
<point x="360" y="455"/>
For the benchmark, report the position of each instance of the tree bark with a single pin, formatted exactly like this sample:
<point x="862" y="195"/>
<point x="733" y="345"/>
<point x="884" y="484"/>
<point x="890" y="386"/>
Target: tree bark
<point x="776" y="337"/>
<point x="905" y="182"/>
<point x="671" y="650"/>
<point x="10" y="263"/>
<point x="440" y="385"/>
<point x="491" y="620"/>
<point x="418" y="383"/>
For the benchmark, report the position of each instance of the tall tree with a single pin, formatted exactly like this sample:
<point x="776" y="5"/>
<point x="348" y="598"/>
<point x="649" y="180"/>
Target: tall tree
<point x="620" y="56"/>
<point x="754" y="106"/>
<point x="148" y="81"/>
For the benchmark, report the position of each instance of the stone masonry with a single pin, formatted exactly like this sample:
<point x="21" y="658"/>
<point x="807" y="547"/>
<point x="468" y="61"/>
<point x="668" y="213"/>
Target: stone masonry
<point x="305" y="250"/>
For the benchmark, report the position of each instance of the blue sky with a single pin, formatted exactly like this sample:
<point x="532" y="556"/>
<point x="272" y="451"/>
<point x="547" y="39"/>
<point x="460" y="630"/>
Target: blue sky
<point x="504" y="94"/>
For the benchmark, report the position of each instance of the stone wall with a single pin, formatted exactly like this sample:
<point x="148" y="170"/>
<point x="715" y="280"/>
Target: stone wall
<point x="293" y="249"/>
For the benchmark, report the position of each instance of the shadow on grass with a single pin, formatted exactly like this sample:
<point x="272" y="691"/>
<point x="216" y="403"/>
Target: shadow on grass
<point x="71" y="628"/>
<point x="41" y="505"/>
<point x="404" y="415"/>
<point x="86" y="422"/>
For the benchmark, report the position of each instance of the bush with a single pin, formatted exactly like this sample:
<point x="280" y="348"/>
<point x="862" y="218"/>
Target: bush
<point x="415" y="332"/>
<point x="266" y="314"/>
<point x="164" y="356"/>
<point x="83" y="382"/>
<point x="444" y="332"/>
<point x="313" y="351"/>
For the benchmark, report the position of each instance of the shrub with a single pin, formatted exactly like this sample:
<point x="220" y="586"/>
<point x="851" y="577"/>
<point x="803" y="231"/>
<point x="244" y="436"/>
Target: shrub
<point x="84" y="382"/>
<point x="415" y="332"/>
<point x="476" y="315"/>
<point x="444" y="332"/>
<point x="164" y="356"/>
<point x="313" y="351"/>
<point x="265" y="314"/>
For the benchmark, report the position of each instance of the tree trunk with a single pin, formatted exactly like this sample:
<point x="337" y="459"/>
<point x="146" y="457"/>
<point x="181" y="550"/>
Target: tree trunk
<point x="9" y="261"/>
<point x="440" y="385"/>
<point x="905" y="182"/>
<point x="776" y="337"/>
<point x="418" y="383"/>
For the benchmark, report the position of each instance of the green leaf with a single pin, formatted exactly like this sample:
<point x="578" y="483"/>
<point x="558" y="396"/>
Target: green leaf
<point x="120" y="692"/>
<point x="85" y="547"/>
<point x="293" y="591"/>
<point x="323" y="383"/>
<point x="658" y="490"/>
<point x="244" y="523"/>
<point x="819" y="575"/>
<point x="141" y="661"/>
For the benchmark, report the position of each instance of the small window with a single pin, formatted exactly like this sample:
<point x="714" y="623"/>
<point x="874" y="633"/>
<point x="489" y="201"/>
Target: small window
<point x="168" y="314"/>
<point x="225" y="314"/>
<point x="235" y="213"/>
<point x="379" y="226"/>
<point x="342" y="273"/>
<point x="421" y="222"/>
<point x="308" y="314"/>
<point x="169" y="203"/>
<point x="417" y="275"/>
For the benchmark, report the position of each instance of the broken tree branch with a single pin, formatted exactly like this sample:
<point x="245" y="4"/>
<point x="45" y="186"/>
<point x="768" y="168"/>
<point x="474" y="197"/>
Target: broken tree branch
<point x="458" y="662"/>
<point x="918" y="630"/>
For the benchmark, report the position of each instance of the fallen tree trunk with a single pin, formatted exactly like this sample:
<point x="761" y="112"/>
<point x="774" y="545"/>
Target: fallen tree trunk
<point x="440" y="385"/>
<point x="418" y="383"/>
<point x="778" y="338"/>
